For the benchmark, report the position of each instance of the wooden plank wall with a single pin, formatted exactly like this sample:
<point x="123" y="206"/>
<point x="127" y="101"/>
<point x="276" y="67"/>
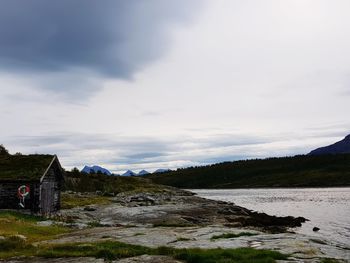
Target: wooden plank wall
<point x="51" y="191"/>
<point x="9" y="198"/>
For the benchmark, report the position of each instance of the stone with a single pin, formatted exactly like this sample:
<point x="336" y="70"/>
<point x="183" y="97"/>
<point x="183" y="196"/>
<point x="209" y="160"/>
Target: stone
<point x="45" y="223"/>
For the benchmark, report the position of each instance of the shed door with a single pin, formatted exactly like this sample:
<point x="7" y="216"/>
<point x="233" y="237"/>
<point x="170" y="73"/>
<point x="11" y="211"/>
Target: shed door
<point x="47" y="189"/>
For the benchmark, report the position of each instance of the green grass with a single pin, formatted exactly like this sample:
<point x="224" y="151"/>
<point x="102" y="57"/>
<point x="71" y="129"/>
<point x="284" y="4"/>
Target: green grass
<point x="111" y="250"/>
<point x="81" y="182"/>
<point x="12" y="243"/>
<point x="73" y="200"/>
<point x="233" y="235"/>
<point x="240" y="255"/>
<point x="330" y="260"/>
<point x="95" y="224"/>
<point x="14" y="223"/>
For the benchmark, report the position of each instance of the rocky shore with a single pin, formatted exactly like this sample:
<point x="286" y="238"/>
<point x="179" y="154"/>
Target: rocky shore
<point x="175" y="207"/>
<point x="179" y="219"/>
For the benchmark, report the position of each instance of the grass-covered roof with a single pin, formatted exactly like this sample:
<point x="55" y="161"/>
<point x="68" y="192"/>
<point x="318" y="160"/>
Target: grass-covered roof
<point x="23" y="167"/>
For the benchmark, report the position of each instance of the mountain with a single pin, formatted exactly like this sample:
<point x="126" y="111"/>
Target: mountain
<point x="161" y="171"/>
<point x="129" y="173"/>
<point x="95" y="169"/>
<point x="342" y="146"/>
<point x="143" y="172"/>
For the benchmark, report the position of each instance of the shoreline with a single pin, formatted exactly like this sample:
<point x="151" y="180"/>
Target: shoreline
<point x="179" y="219"/>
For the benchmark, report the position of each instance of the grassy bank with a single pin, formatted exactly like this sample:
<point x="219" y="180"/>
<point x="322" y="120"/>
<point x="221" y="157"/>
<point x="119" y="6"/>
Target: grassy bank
<point x="112" y="250"/>
<point x="14" y="224"/>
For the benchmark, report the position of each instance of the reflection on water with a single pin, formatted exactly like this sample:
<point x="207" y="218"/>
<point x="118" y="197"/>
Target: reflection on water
<point x="326" y="208"/>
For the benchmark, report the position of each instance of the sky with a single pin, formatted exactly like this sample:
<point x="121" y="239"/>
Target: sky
<point x="148" y="84"/>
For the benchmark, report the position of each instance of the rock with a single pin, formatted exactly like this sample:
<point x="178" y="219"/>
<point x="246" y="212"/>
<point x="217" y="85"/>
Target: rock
<point x="315" y="229"/>
<point x="21" y="237"/>
<point x="142" y="198"/>
<point x="45" y="223"/>
<point x="2" y="238"/>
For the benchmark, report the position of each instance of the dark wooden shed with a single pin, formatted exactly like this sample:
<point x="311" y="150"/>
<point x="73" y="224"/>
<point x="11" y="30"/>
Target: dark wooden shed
<point x="31" y="182"/>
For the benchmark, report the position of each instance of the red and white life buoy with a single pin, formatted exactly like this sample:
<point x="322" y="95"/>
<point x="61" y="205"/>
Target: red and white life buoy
<point x="23" y="191"/>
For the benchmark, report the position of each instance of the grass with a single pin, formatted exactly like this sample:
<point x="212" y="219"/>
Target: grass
<point x="240" y="255"/>
<point x="111" y="250"/>
<point x="73" y="200"/>
<point x="330" y="260"/>
<point x="95" y="224"/>
<point x="23" y="166"/>
<point x="109" y="185"/>
<point x="14" y="223"/>
<point x="233" y="235"/>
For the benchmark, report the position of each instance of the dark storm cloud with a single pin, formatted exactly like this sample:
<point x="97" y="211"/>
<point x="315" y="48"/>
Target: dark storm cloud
<point x="114" y="38"/>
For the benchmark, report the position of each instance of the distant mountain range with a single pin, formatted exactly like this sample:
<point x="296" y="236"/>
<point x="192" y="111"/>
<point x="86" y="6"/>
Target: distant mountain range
<point x="95" y="169"/>
<point x="342" y="146"/>
<point x="129" y="173"/>
<point x="143" y="172"/>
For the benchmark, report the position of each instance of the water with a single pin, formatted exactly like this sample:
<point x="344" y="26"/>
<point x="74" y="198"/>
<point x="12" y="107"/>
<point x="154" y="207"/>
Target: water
<point x="326" y="208"/>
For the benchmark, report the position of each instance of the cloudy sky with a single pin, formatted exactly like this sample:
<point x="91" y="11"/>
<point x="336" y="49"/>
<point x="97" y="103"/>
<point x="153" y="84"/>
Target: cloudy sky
<point x="147" y="84"/>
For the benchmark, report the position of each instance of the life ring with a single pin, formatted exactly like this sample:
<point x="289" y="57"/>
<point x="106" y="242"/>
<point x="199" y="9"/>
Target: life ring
<point x="23" y="191"/>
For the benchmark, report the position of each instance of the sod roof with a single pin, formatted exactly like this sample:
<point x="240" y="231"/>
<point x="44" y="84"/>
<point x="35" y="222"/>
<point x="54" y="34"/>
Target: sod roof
<point x="24" y="167"/>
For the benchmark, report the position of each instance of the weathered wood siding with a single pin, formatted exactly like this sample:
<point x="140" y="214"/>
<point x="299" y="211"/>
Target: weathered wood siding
<point x="9" y="198"/>
<point x="50" y="196"/>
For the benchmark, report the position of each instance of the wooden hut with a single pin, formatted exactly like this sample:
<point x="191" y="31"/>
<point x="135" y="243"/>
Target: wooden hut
<point x="30" y="182"/>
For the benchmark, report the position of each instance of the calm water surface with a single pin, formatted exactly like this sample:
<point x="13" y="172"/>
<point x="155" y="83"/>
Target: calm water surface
<point x="326" y="208"/>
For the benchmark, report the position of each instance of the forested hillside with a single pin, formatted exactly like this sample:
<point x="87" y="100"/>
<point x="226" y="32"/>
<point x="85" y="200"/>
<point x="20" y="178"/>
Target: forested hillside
<point x="297" y="171"/>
